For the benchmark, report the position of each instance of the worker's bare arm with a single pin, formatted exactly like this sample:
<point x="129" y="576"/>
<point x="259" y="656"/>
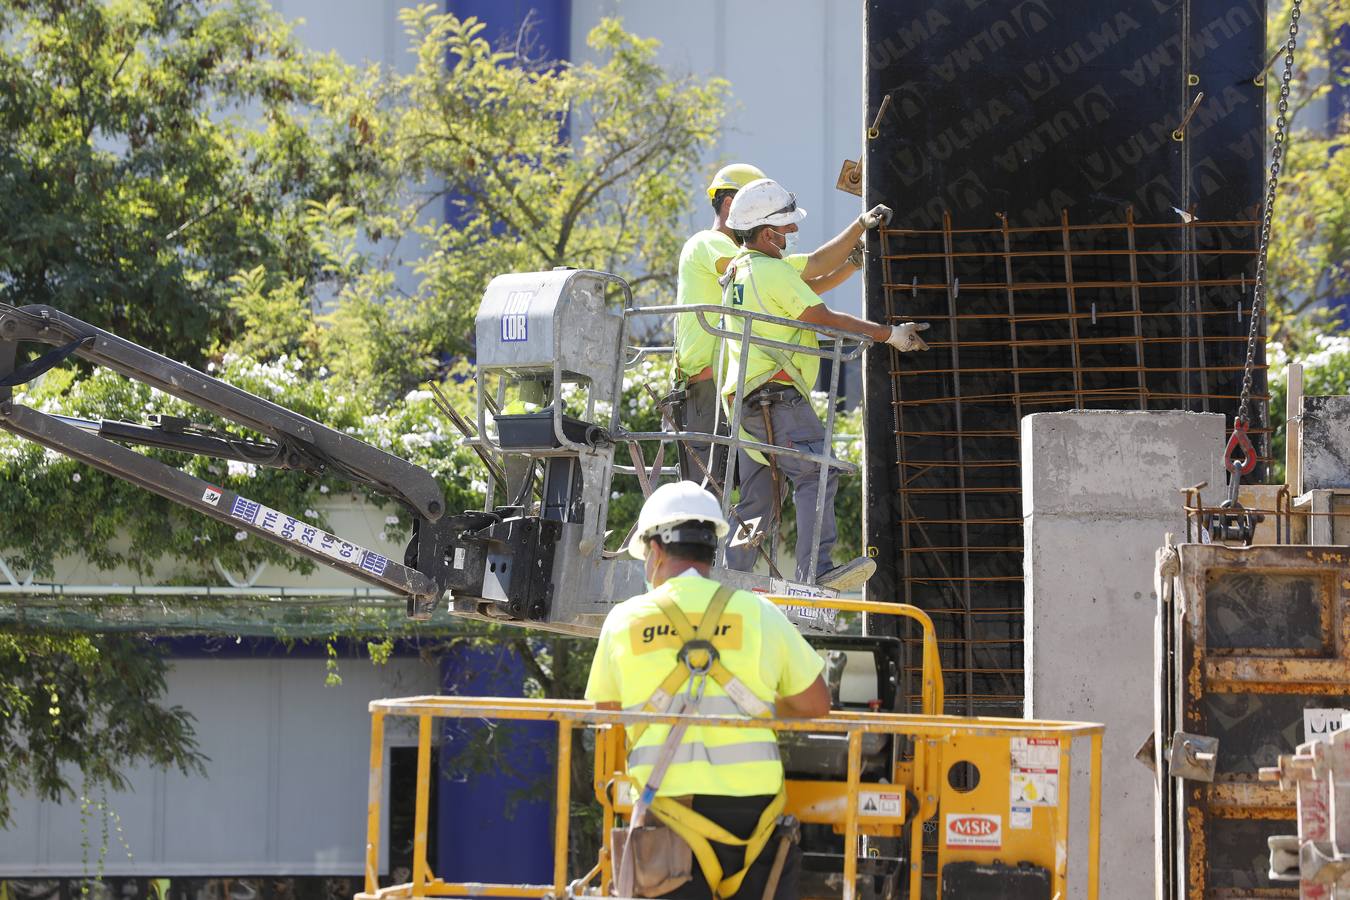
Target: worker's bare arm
<point x="832" y="254"/>
<point x="820" y="314"/>
<point x="811" y="703"/>
<point x="832" y="280"/>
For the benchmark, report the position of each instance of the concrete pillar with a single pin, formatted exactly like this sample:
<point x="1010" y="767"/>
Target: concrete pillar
<point x="1099" y="492"/>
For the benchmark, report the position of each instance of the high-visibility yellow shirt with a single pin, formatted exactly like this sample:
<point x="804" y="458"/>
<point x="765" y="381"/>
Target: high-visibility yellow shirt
<point x="695" y="349"/>
<point x="757" y="644"/>
<point x="767" y="285"/>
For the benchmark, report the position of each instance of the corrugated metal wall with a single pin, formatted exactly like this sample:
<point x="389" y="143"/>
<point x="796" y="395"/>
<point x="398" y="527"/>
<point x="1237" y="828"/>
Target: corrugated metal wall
<point x="285" y="789"/>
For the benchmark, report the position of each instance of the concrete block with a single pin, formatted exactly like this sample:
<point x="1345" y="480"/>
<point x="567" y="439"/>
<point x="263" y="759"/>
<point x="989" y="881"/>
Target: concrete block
<point x="1100" y="491"/>
<point x="1326" y="443"/>
<point x="1120" y="459"/>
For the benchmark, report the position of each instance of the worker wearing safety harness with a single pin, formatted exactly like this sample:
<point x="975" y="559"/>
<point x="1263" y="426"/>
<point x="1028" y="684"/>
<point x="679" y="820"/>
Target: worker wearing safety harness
<point x="703" y="259"/>
<point x="692" y="646"/>
<point x="775" y="408"/>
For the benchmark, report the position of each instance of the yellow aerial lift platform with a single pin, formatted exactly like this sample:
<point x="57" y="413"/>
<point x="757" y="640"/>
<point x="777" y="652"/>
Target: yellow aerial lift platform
<point x="1011" y="814"/>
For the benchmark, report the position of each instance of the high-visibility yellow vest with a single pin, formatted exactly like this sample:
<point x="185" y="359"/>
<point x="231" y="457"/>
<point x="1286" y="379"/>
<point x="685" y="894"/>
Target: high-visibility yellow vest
<point x="733" y="762"/>
<point x="764" y="284"/>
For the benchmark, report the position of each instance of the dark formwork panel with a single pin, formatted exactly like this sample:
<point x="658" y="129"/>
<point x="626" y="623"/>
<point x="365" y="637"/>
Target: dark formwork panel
<point x="1028" y="151"/>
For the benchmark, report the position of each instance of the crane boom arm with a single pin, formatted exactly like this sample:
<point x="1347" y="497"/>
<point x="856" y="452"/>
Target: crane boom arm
<point x="299" y="443"/>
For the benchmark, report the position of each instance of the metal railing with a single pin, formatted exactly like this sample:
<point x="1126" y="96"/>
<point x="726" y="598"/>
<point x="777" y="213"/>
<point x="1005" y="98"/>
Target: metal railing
<point x="836" y="353"/>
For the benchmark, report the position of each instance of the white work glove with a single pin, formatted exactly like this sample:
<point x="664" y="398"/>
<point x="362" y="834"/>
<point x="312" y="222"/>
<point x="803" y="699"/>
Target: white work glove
<point x="855" y="255"/>
<point x="877" y="215"/>
<point x="904" y="336"/>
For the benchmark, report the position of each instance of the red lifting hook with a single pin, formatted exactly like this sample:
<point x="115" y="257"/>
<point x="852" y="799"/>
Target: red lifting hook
<point x="1240" y="441"/>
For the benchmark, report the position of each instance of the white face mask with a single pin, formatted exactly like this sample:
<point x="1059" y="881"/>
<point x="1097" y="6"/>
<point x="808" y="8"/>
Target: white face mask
<point x="789" y="243"/>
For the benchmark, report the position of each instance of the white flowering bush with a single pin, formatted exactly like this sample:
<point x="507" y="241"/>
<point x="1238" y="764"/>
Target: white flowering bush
<point x="637" y="412"/>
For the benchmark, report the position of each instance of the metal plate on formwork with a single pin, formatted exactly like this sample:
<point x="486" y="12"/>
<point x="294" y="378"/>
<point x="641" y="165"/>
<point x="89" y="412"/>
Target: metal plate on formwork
<point x="1257" y="635"/>
<point x="1326" y="443"/>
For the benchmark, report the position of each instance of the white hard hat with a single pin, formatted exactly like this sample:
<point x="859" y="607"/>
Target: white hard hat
<point x="672" y="505"/>
<point x="763" y="202"/>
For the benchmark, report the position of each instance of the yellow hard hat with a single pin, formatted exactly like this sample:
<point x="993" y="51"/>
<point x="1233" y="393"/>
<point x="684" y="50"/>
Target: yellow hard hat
<point x="733" y="178"/>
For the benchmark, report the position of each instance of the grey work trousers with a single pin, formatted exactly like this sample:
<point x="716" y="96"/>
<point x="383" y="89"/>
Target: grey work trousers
<point x="795" y="426"/>
<point x="700" y="414"/>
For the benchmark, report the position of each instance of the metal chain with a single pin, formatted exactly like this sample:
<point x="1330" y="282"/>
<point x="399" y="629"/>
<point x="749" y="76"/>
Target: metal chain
<point x="1272" y="185"/>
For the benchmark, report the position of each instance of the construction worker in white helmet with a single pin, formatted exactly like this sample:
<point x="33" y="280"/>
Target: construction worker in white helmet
<point x="703" y="259"/>
<point x="775" y="405"/>
<point x="708" y="799"/>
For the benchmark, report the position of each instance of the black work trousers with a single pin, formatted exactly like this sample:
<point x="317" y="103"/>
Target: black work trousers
<point x="699" y="413"/>
<point x="740" y="815"/>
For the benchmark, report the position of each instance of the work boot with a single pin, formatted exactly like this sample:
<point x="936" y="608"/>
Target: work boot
<point x="848" y="577"/>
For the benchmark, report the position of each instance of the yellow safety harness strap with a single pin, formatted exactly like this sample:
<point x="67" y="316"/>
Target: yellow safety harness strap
<point x="699" y="831"/>
<point x="660" y="700"/>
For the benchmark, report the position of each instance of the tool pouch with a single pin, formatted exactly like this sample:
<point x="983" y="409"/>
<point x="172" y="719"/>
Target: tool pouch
<point x="675" y="401"/>
<point x="661" y="859"/>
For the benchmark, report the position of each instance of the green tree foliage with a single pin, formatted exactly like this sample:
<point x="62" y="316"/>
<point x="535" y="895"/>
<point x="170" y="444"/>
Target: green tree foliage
<point x="1310" y="241"/>
<point x="156" y="149"/>
<point x="87" y="701"/>
<point x="184" y="175"/>
<point x="1326" y="372"/>
<point x="585" y="165"/>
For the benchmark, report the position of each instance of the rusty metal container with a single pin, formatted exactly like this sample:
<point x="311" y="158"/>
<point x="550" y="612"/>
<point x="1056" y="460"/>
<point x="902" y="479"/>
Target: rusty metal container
<point x="1249" y="639"/>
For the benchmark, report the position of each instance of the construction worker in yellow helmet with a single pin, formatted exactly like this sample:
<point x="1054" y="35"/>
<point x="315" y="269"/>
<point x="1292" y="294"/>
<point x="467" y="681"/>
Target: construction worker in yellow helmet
<point x="705" y="817"/>
<point x="703" y="258"/>
<point x="775" y="404"/>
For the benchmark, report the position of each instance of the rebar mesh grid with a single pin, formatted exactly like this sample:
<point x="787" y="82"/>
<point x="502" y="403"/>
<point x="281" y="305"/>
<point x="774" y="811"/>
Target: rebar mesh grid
<point x="1115" y="315"/>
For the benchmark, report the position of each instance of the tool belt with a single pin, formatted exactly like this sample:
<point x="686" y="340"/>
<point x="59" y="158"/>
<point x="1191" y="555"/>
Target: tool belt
<point x="773" y="392"/>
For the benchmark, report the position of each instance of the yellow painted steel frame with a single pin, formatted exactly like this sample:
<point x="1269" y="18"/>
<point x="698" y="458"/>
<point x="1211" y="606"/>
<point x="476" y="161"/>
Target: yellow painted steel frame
<point x="938" y="743"/>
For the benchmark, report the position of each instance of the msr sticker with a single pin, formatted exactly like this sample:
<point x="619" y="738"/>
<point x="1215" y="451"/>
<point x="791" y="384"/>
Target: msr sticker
<point x="1034" y="778"/>
<point x="974" y="830"/>
<point x="211" y="495"/>
<point x="515" y="316"/>
<point x="879" y="804"/>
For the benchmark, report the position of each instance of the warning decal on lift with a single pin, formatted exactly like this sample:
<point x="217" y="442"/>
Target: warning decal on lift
<point x="974" y="830"/>
<point x="292" y="529"/>
<point x="1034" y="777"/>
<point x="876" y="803"/>
<point x="823" y="619"/>
<point x="515" y="319"/>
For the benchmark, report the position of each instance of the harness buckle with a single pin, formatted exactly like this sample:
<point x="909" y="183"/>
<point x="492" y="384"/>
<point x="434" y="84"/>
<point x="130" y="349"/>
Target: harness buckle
<point x="697" y="645"/>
